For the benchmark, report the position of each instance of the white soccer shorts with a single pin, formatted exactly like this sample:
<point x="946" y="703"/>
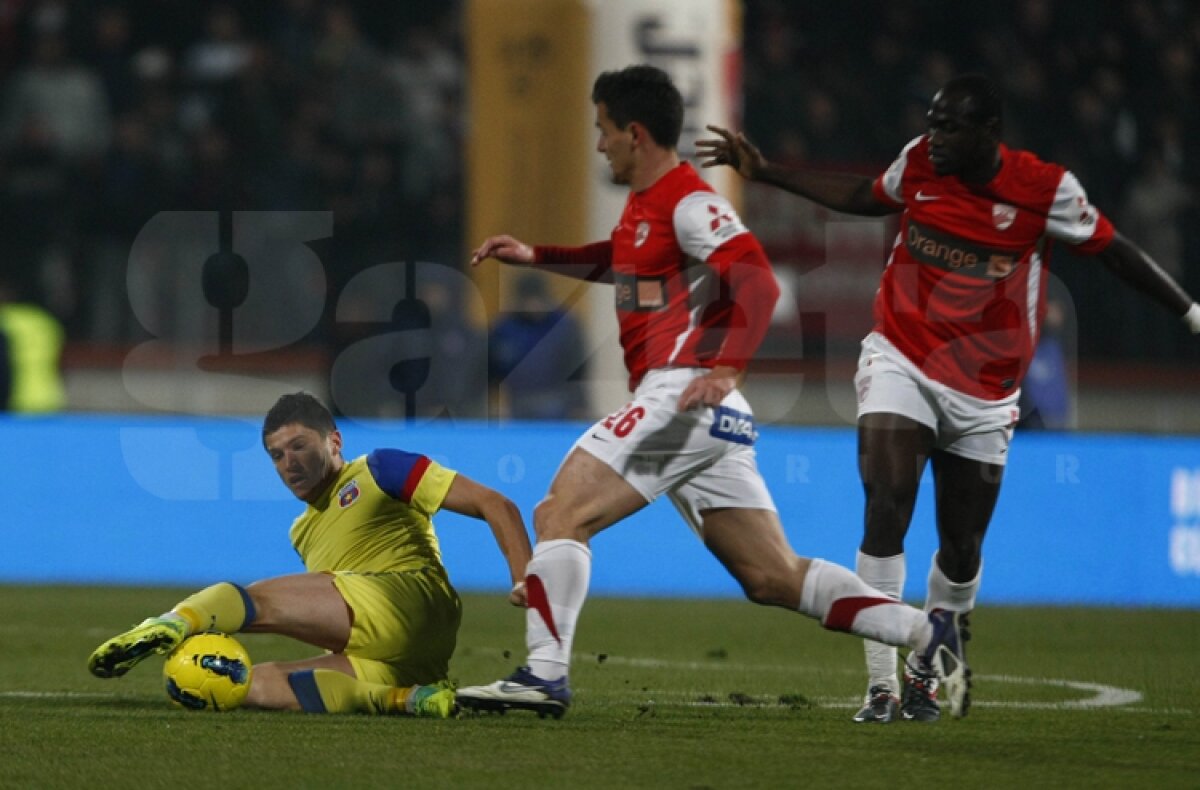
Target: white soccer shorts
<point x="887" y="381"/>
<point x="702" y="459"/>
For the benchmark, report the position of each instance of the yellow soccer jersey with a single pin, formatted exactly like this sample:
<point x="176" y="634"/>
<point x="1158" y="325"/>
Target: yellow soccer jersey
<point x="376" y="516"/>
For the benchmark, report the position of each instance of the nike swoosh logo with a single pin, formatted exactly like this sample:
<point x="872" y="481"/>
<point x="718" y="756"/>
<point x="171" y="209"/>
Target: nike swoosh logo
<point x="924" y="198"/>
<point x="513" y="688"/>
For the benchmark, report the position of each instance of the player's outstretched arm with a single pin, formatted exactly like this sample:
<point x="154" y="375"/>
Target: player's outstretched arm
<point x="591" y="262"/>
<point x="848" y="193"/>
<point x="478" y="501"/>
<point x="505" y="249"/>
<point x="734" y="150"/>
<point x="1131" y="263"/>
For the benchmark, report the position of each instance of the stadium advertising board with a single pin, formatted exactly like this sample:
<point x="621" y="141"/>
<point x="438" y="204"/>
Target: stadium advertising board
<point x="1082" y="518"/>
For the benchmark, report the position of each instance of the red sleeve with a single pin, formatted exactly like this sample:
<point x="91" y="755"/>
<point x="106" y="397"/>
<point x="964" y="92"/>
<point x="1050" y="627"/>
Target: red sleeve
<point x="1100" y="239"/>
<point x="592" y="262"/>
<point x="746" y="274"/>
<point x="882" y="196"/>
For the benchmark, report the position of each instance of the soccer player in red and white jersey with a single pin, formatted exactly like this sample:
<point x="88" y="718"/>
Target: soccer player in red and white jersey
<point x="957" y="317"/>
<point x="694" y="294"/>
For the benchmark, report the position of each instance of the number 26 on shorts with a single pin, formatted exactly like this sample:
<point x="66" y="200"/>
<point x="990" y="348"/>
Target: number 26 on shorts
<point x="623" y="421"/>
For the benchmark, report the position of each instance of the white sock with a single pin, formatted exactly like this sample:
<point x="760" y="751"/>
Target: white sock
<point x="556" y="583"/>
<point x="844" y="602"/>
<point x="945" y="594"/>
<point x="885" y="574"/>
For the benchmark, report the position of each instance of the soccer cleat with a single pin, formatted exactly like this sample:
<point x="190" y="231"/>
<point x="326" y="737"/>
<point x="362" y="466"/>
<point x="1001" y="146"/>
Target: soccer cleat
<point x="123" y="652"/>
<point x="918" y="698"/>
<point x="945" y="657"/>
<point x="522" y="690"/>
<point x="434" y="702"/>
<point x="881" y="706"/>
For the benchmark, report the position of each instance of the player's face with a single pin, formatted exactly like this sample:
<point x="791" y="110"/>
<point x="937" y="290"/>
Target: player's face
<point x="957" y="144"/>
<point x="306" y="461"/>
<point x="616" y="145"/>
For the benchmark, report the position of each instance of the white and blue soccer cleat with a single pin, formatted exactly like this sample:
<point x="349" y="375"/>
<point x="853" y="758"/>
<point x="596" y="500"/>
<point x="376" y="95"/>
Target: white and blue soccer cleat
<point x="522" y="690"/>
<point x="945" y="657"/>
<point x="881" y="706"/>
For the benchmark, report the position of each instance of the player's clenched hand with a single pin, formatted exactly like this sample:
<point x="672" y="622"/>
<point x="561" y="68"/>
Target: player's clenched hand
<point x="516" y="596"/>
<point x="709" y="389"/>
<point x="733" y="150"/>
<point x="505" y="249"/>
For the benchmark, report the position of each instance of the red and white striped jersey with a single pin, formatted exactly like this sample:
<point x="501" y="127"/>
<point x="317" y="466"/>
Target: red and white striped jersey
<point x="963" y="293"/>
<point x="693" y="286"/>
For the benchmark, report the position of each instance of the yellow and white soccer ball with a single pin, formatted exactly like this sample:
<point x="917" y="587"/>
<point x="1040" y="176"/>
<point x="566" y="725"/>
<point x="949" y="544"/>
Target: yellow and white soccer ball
<point x="208" y="672"/>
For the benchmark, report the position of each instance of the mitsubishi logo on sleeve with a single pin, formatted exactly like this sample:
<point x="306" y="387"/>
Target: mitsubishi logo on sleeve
<point x="718" y="217"/>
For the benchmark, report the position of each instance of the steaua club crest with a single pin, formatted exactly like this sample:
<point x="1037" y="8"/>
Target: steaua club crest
<point x="643" y="233"/>
<point x="348" y="494"/>
<point x="1003" y="215"/>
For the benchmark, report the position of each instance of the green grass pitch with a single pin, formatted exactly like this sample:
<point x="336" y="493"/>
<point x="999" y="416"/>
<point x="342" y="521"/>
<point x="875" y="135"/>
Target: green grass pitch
<point x="669" y="694"/>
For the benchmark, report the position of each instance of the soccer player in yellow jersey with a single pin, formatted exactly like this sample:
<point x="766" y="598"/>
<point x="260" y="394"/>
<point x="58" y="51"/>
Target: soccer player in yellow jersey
<point x="375" y="594"/>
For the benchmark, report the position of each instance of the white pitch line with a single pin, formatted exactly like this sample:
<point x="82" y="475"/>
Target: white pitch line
<point x="1102" y="696"/>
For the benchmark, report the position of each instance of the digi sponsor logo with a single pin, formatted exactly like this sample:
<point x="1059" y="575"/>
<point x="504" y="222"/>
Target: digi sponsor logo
<point x="1184" y="552"/>
<point x="348" y="494"/>
<point x="733" y="426"/>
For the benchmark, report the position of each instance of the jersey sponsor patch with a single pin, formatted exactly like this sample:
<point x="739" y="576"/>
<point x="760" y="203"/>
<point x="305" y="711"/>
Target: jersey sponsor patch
<point x="733" y="426"/>
<point x="954" y="254"/>
<point x="348" y="494"/>
<point x="640" y="294"/>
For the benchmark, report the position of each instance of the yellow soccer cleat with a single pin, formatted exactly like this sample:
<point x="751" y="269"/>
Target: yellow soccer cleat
<point x="433" y="702"/>
<point x="121" y="653"/>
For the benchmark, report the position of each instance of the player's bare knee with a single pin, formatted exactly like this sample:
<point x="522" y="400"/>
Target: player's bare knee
<point x="887" y="506"/>
<point x="761" y="586"/>
<point x="551" y="521"/>
<point x="886" y="524"/>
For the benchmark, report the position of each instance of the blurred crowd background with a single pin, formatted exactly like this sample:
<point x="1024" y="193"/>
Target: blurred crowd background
<point x="113" y="111"/>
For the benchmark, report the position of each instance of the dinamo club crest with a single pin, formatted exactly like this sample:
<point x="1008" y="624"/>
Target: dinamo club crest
<point x="1003" y="215"/>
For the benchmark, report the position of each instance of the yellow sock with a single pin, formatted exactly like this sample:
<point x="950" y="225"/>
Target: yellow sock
<point x="223" y="607"/>
<point x="330" y="691"/>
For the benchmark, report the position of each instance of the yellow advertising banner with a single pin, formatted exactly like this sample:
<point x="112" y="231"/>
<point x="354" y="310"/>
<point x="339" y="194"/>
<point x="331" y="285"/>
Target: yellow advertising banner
<point x="530" y="79"/>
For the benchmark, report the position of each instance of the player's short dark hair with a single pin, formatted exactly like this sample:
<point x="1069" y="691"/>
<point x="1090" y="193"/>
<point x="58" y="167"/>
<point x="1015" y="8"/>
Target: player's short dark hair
<point x="298" y="408"/>
<point x="644" y="94"/>
<point x="985" y="98"/>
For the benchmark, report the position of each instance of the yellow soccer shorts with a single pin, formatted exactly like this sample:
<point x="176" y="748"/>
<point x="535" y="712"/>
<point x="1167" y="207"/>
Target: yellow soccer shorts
<point x="405" y="625"/>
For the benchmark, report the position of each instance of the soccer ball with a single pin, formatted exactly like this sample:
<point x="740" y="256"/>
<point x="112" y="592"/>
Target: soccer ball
<point x="208" y="672"/>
